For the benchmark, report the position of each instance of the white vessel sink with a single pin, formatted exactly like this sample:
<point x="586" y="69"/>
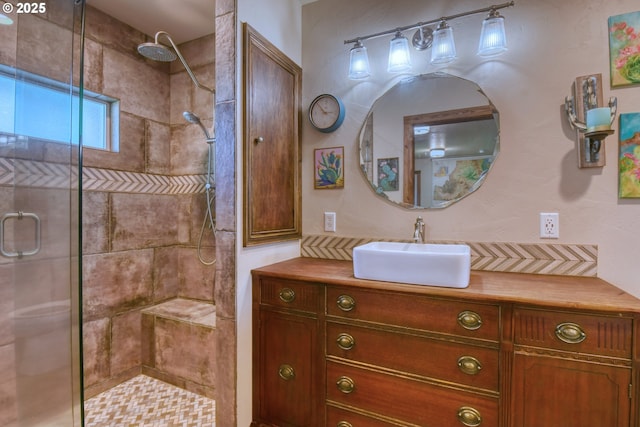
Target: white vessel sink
<point x="414" y="263"/>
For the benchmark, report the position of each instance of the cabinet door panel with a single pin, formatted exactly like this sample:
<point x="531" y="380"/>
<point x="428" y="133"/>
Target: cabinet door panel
<point x="272" y="142"/>
<point x="553" y="392"/>
<point x="287" y="368"/>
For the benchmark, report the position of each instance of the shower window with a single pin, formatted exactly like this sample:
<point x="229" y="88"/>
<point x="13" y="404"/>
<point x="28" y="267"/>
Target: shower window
<point x="40" y="111"/>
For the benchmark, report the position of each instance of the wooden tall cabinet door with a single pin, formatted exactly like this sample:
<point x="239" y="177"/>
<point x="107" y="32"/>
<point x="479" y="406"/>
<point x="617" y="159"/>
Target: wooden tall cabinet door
<point x="287" y="369"/>
<point x="272" y="114"/>
<point x="553" y="392"/>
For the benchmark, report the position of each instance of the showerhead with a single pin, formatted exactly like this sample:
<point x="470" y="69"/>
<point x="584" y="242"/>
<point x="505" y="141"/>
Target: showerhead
<point x="156" y="52"/>
<point x="159" y="52"/>
<point x="192" y="118"/>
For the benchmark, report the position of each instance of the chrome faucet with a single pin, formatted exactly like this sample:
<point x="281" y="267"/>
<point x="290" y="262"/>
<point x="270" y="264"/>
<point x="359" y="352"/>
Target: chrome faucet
<point x="418" y="230"/>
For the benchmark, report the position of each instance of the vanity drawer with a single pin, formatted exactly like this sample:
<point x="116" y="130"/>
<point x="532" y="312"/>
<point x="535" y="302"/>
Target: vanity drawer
<point x="416" y="311"/>
<point x="290" y="294"/>
<point x="583" y="333"/>
<point x="452" y="362"/>
<point x="338" y="417"/>
<point x="407" y="399"/>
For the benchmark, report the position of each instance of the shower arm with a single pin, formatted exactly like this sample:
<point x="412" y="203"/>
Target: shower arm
<point x="186" y="66"/>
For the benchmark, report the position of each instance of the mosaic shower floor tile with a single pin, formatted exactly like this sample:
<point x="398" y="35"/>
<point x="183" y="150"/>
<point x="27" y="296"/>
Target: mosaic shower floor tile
<point x="146" y="402"/>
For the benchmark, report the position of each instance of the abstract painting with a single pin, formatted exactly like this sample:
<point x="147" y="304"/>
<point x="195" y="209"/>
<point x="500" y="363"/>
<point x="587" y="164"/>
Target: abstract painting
<point x="329" y="168"/>
<point x="624" y="49"/>
<point x="629" y="160"/>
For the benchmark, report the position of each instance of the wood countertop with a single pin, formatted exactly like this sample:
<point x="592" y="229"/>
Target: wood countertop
<point x="544" y="290"/>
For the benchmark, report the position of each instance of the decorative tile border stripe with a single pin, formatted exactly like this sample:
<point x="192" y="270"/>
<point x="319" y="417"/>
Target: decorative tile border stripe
<point x="35" y="174"/>
<point x="95" y="179"/>
<point x="534" y="258"/>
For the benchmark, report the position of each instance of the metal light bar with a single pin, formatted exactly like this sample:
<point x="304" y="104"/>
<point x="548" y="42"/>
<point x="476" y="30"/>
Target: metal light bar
<point x="433" y="21"/>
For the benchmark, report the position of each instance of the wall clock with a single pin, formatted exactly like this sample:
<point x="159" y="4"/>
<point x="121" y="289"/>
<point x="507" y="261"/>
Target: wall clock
<point x="326" y="113"/>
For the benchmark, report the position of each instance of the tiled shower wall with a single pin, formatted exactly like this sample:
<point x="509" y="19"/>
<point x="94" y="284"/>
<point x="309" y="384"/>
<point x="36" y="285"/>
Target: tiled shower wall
<point x="143" y="206"/>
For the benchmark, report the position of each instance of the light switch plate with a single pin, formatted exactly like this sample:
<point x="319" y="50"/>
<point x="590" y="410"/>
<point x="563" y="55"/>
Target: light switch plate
<point x="330" y="221"/>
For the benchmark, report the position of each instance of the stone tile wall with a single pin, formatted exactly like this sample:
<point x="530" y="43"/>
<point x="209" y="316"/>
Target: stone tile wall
<point x="139" y="231"/>
<point x="226" y="195"/>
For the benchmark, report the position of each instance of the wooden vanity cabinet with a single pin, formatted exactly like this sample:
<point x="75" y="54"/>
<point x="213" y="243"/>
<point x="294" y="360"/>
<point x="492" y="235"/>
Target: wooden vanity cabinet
<point x="572" y="369"/>
<point x="332" y="350"/>
<point x="387" y="359"/>
<point x="288" y="353"/>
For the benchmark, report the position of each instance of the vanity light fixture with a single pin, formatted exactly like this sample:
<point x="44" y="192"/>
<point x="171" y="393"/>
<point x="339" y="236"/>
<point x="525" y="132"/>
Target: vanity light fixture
<point x="443" y="50"/>
<point x="436" y="153"/>
<point x="492" y="42"/>
<point x="399" y="56"/>
<point x="359" y="62"/>
<point x="592" y="120"/>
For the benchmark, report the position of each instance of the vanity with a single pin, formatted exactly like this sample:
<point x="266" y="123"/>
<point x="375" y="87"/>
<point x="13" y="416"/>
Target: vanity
<point x="509" y="350"/>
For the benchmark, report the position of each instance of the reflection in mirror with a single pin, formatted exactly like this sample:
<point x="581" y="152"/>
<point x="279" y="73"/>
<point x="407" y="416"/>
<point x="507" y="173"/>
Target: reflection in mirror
<point x="429" y="141"/>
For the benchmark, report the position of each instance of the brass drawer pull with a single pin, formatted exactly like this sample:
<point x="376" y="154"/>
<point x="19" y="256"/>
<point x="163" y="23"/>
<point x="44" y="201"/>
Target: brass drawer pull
<point x="469" y="416"/>
<point x="570" y="333"/>
<point x="345" y="385"/>
<point x="346" y="303"/>
<point x="469" y="365"/>
<point x="286" y="372"/>
<point x="345" y="341"/>
<point x="344" y="424"/>
<point x="469" y="320"/>
<point x="287" y="295"/>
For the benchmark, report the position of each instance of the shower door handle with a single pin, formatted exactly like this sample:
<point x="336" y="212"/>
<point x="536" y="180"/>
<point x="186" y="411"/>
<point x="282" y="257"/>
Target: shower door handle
<point x="19" y="216"/>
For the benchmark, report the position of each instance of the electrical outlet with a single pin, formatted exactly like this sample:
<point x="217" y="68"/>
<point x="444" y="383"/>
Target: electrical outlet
<point x="549" y="226"/>
<point x="330" y="221"/>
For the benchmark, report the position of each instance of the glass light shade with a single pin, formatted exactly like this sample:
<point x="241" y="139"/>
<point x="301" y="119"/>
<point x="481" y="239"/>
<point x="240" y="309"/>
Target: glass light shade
<point x="399" y="57"/>
<point x="435" y="153"/>
<point x="359" y="62"/>
<point x="443" y="49"/>
<point x="493" y="40"/>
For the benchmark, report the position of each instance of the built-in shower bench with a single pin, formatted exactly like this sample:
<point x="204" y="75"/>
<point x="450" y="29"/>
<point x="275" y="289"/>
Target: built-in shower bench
<point x="178" y="344"/>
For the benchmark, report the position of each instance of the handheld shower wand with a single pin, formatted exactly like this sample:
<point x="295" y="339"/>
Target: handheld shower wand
<point x="159" y="52"/>
<point x="209" y="219"/>
<point x="192" y="118"/>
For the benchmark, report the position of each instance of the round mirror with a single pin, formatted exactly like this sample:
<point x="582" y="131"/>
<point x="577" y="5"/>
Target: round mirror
<point x="429" y="141"/>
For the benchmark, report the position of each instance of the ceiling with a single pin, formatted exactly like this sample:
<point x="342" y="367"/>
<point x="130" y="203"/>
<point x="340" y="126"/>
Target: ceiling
<point x="184" y="19"/>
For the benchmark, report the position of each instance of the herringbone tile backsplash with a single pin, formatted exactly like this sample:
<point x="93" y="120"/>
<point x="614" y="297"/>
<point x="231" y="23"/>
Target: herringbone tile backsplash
<point x="535" y="258"/>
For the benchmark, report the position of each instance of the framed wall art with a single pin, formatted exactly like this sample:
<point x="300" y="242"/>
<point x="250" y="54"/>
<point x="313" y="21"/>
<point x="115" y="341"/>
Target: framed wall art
<point x="328" y="168"/>
<point x="624" y="49"/>
<point x="388" y="174"/>
<point x="629" y="158"/>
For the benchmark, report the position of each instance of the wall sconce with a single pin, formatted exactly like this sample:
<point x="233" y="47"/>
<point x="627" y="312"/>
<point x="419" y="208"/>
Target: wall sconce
<point x="492" y="42"/>
<point x="443" y="49"/>
<point x="359" y="62"/>
<point x="591" y="120"/>
<point x="399" y="56"/>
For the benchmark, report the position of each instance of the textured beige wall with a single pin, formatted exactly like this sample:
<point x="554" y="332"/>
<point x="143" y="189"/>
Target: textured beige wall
<point x="550" y="44"/>
<point x="280" y="22"/>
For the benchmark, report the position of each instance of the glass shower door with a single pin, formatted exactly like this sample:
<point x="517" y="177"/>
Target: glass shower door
<point x="40" y="363"/>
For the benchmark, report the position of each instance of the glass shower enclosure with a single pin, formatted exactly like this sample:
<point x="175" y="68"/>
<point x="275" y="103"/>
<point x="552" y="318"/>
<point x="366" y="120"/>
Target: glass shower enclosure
<point x="40" y="174"/>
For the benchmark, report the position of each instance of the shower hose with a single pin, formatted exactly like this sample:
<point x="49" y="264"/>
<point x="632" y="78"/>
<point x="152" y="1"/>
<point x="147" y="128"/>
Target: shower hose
<point x="208" y="222"/>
